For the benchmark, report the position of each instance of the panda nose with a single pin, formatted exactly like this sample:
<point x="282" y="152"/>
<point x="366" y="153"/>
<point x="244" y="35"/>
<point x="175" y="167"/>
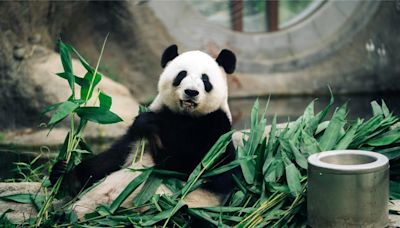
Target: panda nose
<point x="191" y="92"/>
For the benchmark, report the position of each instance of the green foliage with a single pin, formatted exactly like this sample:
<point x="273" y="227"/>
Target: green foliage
<point x="74" y="146"/>
<point x="30" y="172"/>
<point x="269" y="192"/>
<point x="128" y="190"/>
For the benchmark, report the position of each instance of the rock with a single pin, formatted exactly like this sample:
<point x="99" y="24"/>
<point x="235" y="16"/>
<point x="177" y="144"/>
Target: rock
<point x="57" y="89"/>
<point x="133" y="61"/>
<point x="18" y="45"/>
<point x="36" y="138"/>
<point x="394" y="214"/>
<point x="19" y="53"/>
<point x="20" y="211"/>
<point x="35" y="39"/>
<point x="54" y="89"/>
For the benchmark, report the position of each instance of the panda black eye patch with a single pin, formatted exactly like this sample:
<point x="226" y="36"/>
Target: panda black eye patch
<point x="179" y="78"/>
<point x="207" y="85"/>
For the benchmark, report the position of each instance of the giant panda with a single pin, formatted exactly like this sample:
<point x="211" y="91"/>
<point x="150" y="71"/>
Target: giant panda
<point x="188" y="115"/>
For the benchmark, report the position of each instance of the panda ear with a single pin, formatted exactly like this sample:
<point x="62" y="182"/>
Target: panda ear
<point x="169" y="54"/>
<point x="227" y="60"/>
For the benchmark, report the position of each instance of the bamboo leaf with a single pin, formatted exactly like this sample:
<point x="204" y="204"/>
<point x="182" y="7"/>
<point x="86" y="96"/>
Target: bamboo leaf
<point x="67" y="65"/>
<point x="51" y="108"/>
<point x="309" y="112"/>
<point x="247" y="167"/>
<point x="376" y="109"/>
<point x="273" y="170"/>
<point x="63" y="111"/>
<point x="85" y="93"/>
<point x="24" y="198"/>
<point x="300" y="158"/>
<point x="84" y="63"/>
<point x="65" y="57"/>
<point x="271" y="139"/>
<point x="128" y="190"/>
<point x="294" y="128"/>
<point x="391" y="153"/>
<point x="3" y="217"/>
<point x="385" y="109"/>
<point x="149" y="189"/>
<point x="293" y="179"/>
<point x="345" y="141"/>
<point x="98" y="114"/>
<point x="105" y="100"/>
<point x="78" y="80"/>
<point x="237" y="198"/>
<point x="365" y="130"/>
<point x="151" y="220"/>
<point x="313" y="123"/>
<point x="227" y="167"/>
<point x="254" y="114"/>
<point x="205" y="216"/>
<point x="332" y="132"/>
<point x="279" y="188"/>
<point x="321" y="127"/>
<point x="18" y="198"/>
<point x="217" y="149"/>
<point x="385" y="138"/>
<point x="80" y="151"/>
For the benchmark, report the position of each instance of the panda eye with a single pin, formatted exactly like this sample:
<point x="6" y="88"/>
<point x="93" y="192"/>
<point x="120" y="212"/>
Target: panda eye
<point x="181" y="75"/>
<point x="207" y="85"/>
<point x="204" y="77"/>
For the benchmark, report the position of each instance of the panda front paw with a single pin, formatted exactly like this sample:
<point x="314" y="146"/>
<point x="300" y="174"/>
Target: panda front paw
<point x="58" y="170"/>
<point x="146" y="124"/>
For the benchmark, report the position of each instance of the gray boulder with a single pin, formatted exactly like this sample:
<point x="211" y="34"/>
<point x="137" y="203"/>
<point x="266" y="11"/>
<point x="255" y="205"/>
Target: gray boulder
<point x="54" y="89"/>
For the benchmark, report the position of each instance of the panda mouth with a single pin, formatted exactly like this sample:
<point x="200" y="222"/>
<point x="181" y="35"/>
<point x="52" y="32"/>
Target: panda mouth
<point x="188" y="105"/>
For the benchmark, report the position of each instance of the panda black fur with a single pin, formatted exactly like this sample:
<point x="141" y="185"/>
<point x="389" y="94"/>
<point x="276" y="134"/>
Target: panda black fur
<point x="186" y="118"/>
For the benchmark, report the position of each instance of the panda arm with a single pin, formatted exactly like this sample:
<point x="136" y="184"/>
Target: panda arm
<point x="223" y="183"/>
<point x="95" y="168"/>
<point x="146" y="125"/>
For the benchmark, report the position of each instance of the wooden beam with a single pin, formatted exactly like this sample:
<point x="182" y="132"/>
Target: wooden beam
<point x="237" y="15"/>
<point x="272" y="15"/>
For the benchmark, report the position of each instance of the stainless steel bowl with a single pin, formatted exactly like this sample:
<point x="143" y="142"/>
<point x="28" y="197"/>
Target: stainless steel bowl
<point x="348" y="188"/>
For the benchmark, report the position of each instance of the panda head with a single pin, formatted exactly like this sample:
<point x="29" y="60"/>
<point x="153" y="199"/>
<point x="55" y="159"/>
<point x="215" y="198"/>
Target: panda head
<point x="193" y="82"/>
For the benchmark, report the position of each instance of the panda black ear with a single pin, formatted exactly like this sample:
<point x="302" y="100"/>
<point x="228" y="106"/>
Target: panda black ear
<point x="169" y="54"/>
<point x="227" y="60"/>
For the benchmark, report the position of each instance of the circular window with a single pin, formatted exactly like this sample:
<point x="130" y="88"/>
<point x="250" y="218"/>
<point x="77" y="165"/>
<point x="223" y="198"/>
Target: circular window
<point x="255" y="16"/>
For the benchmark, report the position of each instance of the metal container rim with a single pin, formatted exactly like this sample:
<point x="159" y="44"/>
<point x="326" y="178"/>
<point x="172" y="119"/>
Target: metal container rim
<point x="380" y="162"/>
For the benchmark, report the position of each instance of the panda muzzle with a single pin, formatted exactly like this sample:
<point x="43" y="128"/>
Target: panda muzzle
<point x="188" y="104"/>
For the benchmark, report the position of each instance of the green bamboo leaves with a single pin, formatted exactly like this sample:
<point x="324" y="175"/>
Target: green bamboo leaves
<point x="67" y="64"/>
<point x="285" y="160"/>
<point x="332" y="132"/>
<point x="99" y="115"/>
<point x="270" y="190"/>
<point x="128" y="190"/>
<point x="63" y="111"/>
<point x="252" y="145"/>
<point x="270" y="184"/>
<point x="87" y="84"/>
<point x="74" y="147"/>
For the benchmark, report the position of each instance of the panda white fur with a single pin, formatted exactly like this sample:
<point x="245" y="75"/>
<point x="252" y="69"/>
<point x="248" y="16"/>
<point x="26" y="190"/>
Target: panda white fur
<point x="186" y="118"/>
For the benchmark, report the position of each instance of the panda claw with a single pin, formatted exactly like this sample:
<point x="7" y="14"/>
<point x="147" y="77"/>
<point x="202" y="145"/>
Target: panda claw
<point x="59" y="169"/>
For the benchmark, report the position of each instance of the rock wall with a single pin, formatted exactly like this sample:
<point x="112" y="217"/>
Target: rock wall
<point x="29" y="29"/>
<point x="352" y="46"/>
